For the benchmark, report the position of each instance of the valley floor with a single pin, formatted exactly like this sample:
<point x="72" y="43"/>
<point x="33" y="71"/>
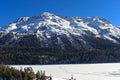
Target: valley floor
<point x="108" y="71"/>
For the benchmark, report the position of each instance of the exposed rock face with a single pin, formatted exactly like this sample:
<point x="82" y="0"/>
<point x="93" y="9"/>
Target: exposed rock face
<point x="51" y="31"/>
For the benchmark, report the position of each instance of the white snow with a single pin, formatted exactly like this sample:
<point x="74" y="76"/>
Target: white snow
<point x="11" y="26"/>
<point x="108" y="71"/>
<point x="107" y="37"/>
<point x="52" y="24"/>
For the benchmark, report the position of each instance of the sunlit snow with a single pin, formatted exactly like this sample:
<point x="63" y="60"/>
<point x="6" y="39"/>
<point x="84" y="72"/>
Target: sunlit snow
<point x="110" y="71"/>
<point x="48" y="23"/>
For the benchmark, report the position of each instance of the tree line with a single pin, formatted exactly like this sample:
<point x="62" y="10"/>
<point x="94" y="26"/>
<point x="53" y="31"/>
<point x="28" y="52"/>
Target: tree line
<point x="10" y="73"/>
<point x="30" y="55"/>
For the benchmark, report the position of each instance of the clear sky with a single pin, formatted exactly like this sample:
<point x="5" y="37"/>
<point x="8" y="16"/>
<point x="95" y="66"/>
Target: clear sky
<point x="10" y="10"/>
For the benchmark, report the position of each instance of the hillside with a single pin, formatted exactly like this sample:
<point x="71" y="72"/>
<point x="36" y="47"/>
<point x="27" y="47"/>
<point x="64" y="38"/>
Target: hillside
<point x="51" y="39"/>
<point x="48" y="30"/>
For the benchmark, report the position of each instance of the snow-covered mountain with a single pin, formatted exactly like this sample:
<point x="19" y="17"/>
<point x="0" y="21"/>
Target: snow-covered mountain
<point x="51" y="31"/>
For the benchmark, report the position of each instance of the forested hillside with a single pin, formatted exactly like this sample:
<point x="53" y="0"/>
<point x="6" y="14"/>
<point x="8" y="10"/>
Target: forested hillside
<point x="23" y="55"/>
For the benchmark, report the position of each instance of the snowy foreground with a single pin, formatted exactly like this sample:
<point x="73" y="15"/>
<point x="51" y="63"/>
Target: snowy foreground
<point x="79" y="71"/>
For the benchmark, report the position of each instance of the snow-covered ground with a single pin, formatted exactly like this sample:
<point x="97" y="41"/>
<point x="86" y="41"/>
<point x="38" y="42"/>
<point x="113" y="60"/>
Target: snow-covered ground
<point x="110" y="71"/>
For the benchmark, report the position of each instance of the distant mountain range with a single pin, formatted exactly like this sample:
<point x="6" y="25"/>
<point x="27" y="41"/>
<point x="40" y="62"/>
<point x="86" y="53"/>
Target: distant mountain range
<point x="50" y="31"/>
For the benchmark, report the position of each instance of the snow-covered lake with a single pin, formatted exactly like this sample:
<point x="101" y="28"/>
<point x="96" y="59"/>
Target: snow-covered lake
<point x="110" y="71"/>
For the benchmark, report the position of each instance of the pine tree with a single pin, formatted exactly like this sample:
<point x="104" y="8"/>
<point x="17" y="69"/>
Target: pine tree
<point x="38" y="75"/>
<point x="31" y="76"/>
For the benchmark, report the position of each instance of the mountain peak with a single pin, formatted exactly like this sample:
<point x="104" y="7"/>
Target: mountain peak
<point x="47" y="25"/>
<point x="47" y="14"/>
<point x="22" y="19"/>
<point x="44" y="15"/>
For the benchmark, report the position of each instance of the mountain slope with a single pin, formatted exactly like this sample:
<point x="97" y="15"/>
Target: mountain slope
<point x="51" y="31"/>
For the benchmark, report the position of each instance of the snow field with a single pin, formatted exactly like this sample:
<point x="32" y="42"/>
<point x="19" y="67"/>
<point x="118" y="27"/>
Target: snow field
<point x="110" y="71"/>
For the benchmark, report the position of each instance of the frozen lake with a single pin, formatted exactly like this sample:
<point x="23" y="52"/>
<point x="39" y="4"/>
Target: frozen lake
<point x="110" y="71"/>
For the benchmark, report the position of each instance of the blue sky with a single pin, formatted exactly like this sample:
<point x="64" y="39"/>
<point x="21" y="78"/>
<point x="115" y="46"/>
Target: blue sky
<point x="10" y="10"/>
